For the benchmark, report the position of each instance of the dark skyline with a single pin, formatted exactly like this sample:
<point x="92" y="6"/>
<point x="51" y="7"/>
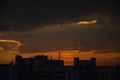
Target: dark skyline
<point x="40" y="67"/>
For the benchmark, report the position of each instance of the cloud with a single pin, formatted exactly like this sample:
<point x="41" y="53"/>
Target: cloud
<point x="107" y="51"/>
<point x="99" y="37"/>
<point x="11" y="41"/>
<point x="86" y="22"/>
<point x="2" y="36"/>
<point x="117" y="58"/>
<point x="0" y="33"/>
<point x="1" y="49"/>
<point x="27" y="15"/>
<point x="9" y="45"/>
<point x="44" y="24"/>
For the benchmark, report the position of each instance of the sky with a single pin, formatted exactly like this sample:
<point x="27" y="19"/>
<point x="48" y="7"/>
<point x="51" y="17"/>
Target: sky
<point x="55" y="25"/>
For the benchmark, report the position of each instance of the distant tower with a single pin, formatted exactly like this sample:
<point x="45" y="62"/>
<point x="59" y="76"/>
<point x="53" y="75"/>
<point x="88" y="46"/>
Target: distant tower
<point x="11" y="63"/>
<point x="59" y="55"/>
<point x="51" y="58"/>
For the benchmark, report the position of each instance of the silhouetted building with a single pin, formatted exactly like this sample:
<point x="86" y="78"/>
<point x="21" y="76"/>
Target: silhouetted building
<point x="6" y="72"/>
<point x="69" y="73"/>
<point x="56" y="70"/>
<point x="108" y="72"/>
<point x="23" y="68"/>
<point x="84" y="69"/>
<point x="39" y="68"/>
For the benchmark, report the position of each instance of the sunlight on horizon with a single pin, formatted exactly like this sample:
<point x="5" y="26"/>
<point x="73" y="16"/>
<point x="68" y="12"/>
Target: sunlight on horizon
<point x="67" y="56"/>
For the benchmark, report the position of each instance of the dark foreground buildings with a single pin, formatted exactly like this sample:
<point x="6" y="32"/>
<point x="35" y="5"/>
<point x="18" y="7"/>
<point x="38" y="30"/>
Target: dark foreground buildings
<point x="40" y="68"/>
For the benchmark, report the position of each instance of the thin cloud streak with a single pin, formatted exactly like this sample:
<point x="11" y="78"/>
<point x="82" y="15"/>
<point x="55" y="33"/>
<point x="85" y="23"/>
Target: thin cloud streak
<point x="12" y="41"/>
<point x="86" y="22"/>
<point x="9" y="46"/>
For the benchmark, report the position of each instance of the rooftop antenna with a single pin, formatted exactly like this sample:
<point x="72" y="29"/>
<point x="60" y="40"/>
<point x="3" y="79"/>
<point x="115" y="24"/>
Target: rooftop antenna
<point x="11" y="63"/>
<point x="59" y="55"/>
<point x="51" y="58"/>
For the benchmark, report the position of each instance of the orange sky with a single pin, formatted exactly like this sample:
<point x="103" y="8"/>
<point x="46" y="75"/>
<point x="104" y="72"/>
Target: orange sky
<point x="67" y="56"/>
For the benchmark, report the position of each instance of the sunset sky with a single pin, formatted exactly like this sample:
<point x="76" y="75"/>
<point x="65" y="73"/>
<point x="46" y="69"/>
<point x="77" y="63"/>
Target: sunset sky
<point x="76" y="28"/>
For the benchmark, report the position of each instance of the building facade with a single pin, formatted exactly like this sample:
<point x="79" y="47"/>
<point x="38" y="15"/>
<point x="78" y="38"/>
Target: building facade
<point x="39" y="68"/>
<point x="84" y="69"/>
<point x="108" y="72"/>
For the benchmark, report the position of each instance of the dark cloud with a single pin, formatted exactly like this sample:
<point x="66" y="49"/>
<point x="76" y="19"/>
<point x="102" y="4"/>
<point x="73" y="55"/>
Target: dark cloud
<point x="46" y="24"/>
<point x="106" y="51"/>
<point x="117" y="58"/>
<point x="97" y="37"/>
<point x="25" y="15"/>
